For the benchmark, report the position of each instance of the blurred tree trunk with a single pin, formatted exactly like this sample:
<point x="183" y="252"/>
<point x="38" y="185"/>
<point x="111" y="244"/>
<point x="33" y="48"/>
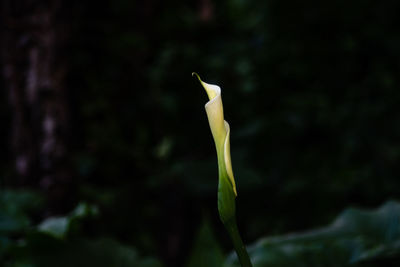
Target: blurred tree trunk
<point x="34" y="35"/>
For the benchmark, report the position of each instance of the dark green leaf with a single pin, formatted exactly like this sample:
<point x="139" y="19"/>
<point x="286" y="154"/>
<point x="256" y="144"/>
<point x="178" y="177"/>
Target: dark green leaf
<point x="355" y="236"/>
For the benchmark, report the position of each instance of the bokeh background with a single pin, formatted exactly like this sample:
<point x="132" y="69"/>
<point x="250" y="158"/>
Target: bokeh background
<point x="106" y="154"/>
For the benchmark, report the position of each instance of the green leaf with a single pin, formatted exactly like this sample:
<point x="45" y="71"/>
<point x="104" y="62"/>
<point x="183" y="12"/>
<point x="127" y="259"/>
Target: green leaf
<point x="60" y="226"/>
<point x="355" y="236"/>
<point x="206" y="250"/>
<point x="55" y="226"/>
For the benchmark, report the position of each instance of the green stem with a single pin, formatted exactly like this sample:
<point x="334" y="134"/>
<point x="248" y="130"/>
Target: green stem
<point x="241" y="251"/>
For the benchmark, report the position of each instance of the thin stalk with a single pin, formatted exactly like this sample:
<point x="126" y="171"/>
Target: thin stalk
<point x="241" y="251"/>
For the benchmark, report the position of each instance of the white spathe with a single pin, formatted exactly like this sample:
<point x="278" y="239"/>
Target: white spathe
<point x="219" y="128"/>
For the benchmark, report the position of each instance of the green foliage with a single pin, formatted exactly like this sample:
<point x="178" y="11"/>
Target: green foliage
<point x="56" y="241"/>
<point x="59" y="226"/>
<point x="45" y="251"/>
<point x="356" y="237"/>
<point x="206" y="250"/>
<point x="16" y="208"/>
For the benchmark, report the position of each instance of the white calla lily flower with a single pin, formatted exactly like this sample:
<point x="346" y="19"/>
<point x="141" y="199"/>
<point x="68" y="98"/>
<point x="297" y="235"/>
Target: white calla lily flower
<point x="226" y="187"/>
<point x="220" y="130"/>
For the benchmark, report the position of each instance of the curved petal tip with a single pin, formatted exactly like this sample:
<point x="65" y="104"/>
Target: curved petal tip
<point x="211" y="89"/>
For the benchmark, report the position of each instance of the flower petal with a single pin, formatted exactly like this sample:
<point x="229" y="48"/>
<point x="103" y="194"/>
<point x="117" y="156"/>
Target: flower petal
<point x="219" y="128"/>
<point x="227" y="157"/>
<point x="211" y="89"/>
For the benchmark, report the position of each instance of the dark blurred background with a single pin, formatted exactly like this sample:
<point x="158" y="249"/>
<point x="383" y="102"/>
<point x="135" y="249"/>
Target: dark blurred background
<point x="104" y="135"/>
